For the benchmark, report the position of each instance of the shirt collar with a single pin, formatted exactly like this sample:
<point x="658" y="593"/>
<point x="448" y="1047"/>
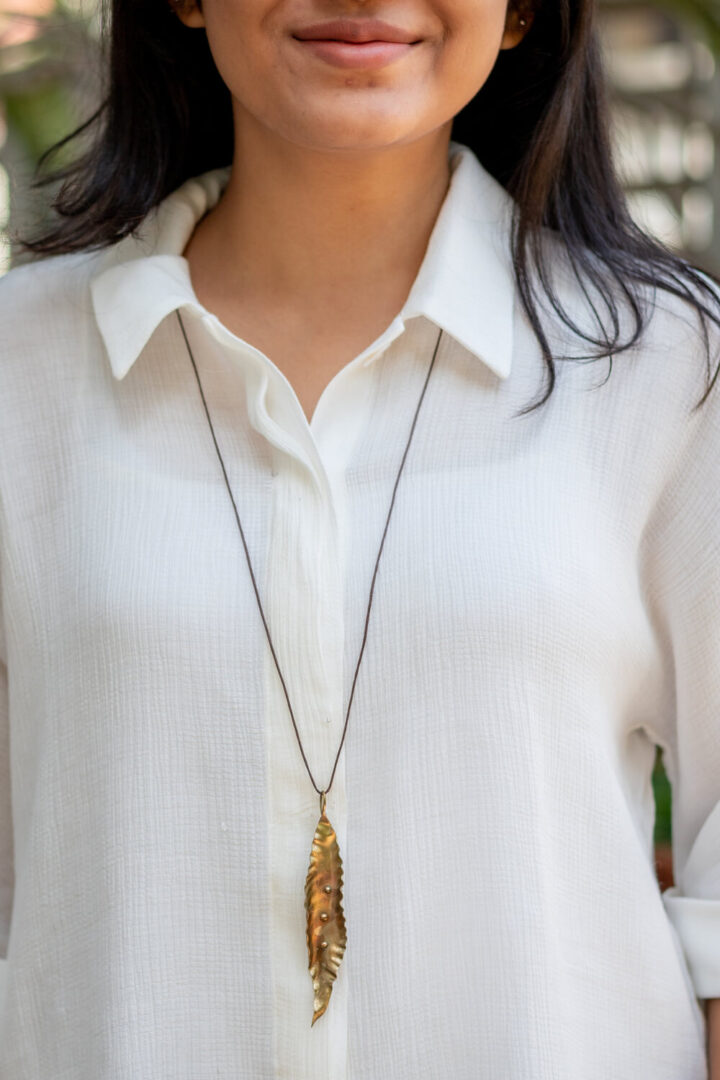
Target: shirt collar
<point x="465" y="284"/>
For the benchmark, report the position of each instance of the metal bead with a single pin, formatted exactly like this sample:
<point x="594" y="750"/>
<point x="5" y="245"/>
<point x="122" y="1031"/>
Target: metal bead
<point x="324" y="916"/>
<point x="328" y="888"/>
<point x="323" y="944"/>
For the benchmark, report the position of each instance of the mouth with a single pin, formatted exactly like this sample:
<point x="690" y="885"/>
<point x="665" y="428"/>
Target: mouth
<point x="359" y="43"/>
<point x="356" y="32"/>
<point x="353" y="54"/>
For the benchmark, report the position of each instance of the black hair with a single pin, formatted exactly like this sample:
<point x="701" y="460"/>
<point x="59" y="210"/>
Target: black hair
<point x="540" y="125"/>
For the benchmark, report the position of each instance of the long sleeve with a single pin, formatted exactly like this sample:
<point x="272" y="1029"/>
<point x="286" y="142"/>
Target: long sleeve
<point x="681" y="559"/>
<point x="6" y="833"/>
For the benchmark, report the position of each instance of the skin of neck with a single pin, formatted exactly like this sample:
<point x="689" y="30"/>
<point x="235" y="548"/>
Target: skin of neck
<point x="305" y="229"/>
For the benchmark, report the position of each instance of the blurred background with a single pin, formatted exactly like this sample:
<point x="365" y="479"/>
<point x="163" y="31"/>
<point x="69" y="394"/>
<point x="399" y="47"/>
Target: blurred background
<point x="663" y="60"/>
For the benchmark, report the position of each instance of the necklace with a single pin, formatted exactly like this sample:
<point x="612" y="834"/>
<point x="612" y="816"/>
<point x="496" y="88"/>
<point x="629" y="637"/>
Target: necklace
<point x="325" y="920"/>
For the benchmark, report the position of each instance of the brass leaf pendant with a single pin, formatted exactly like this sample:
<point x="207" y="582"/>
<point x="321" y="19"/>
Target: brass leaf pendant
<point x="326" y="936"/>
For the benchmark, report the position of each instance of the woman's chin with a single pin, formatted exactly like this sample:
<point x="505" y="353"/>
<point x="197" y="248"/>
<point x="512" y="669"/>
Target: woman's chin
<point x="344" y="135"/>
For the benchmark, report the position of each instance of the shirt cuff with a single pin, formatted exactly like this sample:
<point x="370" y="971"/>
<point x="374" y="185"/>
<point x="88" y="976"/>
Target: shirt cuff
<point x="697" y="923"/>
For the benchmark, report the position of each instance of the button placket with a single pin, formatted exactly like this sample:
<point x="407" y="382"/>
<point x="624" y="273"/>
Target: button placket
<point x="290" y="432"/>
<point x="304" y="604"/>
<point x="305" y="622"/>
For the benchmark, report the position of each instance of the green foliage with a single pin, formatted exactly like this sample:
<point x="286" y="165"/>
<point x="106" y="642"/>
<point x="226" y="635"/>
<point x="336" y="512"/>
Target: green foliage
<point x="38" y="116"/>
<point x="704" y="14"/>
<point x="663" y="801"/>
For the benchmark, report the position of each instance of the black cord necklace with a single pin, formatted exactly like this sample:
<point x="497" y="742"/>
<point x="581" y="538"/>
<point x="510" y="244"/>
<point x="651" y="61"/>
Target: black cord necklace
<point x="326" y="933"/>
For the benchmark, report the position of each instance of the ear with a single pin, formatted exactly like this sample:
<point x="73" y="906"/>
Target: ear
<point x="518" y="21"/>
<point x="189" y="12"/>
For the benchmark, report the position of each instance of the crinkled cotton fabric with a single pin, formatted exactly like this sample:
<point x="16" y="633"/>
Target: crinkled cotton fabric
<point x="546" y="613"/>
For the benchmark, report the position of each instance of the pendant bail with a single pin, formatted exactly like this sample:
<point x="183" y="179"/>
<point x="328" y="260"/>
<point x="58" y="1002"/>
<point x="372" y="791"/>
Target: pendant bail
<point x="322" y="802"/>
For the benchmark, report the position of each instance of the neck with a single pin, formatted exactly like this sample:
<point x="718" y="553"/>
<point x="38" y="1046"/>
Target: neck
<point x="306" y="229"/>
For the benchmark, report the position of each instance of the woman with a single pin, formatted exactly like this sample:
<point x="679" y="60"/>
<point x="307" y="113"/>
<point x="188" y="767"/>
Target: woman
<point x="268" y="415"/>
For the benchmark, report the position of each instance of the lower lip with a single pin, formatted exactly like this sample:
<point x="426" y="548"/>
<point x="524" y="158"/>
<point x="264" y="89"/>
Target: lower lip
<point x="366" y="54"/>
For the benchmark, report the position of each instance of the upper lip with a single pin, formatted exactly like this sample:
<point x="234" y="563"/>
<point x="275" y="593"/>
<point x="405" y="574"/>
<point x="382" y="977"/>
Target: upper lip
<point x="355" y="30"/>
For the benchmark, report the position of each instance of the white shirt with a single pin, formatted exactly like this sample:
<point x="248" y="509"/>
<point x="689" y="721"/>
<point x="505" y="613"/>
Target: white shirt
<point x="547" y="609"/>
